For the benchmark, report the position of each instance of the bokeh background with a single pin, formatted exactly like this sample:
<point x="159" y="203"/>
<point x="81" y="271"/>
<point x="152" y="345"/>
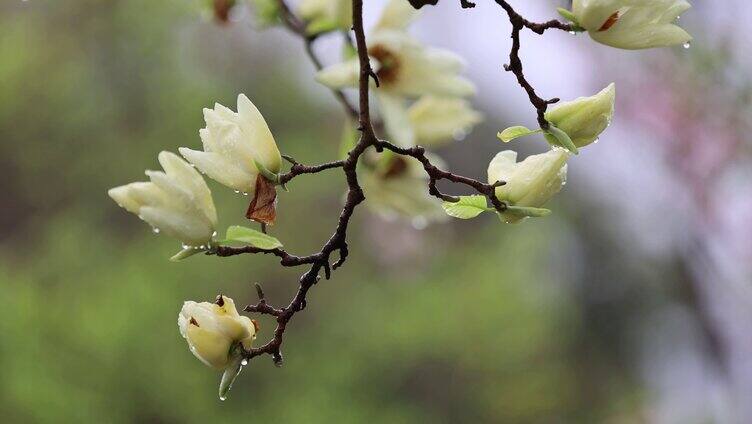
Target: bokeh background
<point x="631" y="303"/>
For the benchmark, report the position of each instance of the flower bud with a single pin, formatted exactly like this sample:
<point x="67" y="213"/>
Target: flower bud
<point x="213" y="329"/>
<point x="176" y="202"/>
<point x="632" y="24"/>
<point x="234" y="142"/>
<point x="585" y="118"/>
<point x="530" y="183"/>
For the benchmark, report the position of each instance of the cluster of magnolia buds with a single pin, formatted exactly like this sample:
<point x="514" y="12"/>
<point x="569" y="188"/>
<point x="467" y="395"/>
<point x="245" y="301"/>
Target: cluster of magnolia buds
<point x="422" y="100"/>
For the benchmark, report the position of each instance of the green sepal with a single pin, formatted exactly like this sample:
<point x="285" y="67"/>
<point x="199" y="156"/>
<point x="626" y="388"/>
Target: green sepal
<point x="269" y="175"/>
<point x="187" y="252"/>
<point x="562" y="139"/>
<point x="524" y="211"/>
<point x="234" y="366"/>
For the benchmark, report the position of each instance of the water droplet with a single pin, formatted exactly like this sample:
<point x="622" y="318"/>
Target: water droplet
<point x="223" y="397"/>
<point x="214" y="234"/>
<point x="237" y="191"/>
<point x="572" y="32"/>
<point x="185" y="246"/>
<point x="688" y="44"/>
<point x="244" y="362"/>
<point x="596" y="141"/>
<point x="245" y="194"/>
<point x="420" y="222"/>
<point x="459" y="134"/>
<point x="155" y="230"/>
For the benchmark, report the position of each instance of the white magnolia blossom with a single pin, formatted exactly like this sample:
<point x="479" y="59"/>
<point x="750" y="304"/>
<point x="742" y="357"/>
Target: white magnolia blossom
<point x="397" y="188"/>
<point x="530" y="183"/>
<point x="439" y="119"/>
<point x="633" y="24"/>
<point x="176" y="202"/>
<point x="585" y="118"/>
<point x="406" y="69"/>
<point x="326" y="15"/>
<point x="234" y="142"/>
<point x="211" y="330"/>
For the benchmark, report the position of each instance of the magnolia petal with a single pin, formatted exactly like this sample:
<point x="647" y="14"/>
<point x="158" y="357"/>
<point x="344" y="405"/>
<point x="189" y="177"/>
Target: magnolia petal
<point x="189" y="229"/>
<point x="585" y="118"/>
<point x="257" y="130"/>
<point x="220" y="169"/>
<point x="396" y="119"/>
<point x="340" y="75"/>
<point x="502" y="167"/>
<point x="122" y="196"/>
<point x="209" y="347"/>
<point x="180" y="170"/>
<point x="397" y="14"/>
<point x="436" y="119"/>
<point x="664" y="35"/>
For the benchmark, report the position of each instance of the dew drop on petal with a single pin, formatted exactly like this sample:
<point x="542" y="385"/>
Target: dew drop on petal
<point x="237" y="191"/>
<point x="244" y="362"/>
<point x="419" y="222"/>
<point x="223" y="397"/>
<point x="155" y="230"/>
<point x="687" y="45"/>
<point x="459" y="134"/>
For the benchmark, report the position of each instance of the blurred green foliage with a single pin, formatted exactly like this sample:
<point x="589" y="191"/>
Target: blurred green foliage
<point x="91" y="91"/>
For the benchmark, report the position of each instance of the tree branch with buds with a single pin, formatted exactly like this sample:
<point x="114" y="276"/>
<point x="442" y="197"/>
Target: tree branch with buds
<point x="240" y="152"/>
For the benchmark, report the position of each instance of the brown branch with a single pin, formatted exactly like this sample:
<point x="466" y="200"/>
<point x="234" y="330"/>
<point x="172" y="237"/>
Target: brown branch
<point x="321" y="261"/>
<point x="299" y="169"/>
<point x="515" y="63"/>
<point x="338" y="241"/>
<point x="435" y="175"/>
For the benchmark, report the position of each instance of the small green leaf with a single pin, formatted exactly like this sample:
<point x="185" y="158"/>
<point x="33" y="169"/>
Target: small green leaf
<point x="468" y="207"/>
<point x="563" y="139"/>
<point x="187" y="251"/>
<point x="245" y="235"/>
<point x="523" y="211"/>
<point x="512" y="133"/>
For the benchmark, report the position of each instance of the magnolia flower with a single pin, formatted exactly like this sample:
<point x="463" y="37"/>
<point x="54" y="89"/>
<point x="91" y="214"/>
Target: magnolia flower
<point x="585" y="118"/>
<point x="326" y="15"/>
<point x="236" y="144"/>
<point x="215" y="332"/>
<point x="406" y="69"/>
<point x="632" y="24"/>
<point x="176" y="202"/>
<point x="530" y="183"/>
<point x="398" y="187"/>
<point x="436" y="119"/>
<point x="211" y="329"/>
